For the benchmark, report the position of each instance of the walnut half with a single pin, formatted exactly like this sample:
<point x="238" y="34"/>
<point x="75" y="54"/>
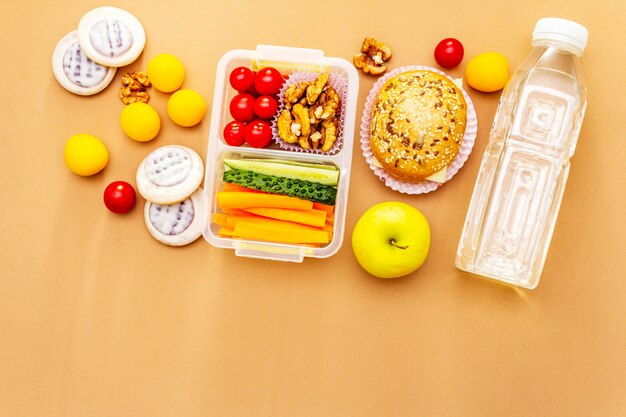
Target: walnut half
<point x="373" y="56"/>
<point x="285" y="129"/>
<point x="134" y="87"/>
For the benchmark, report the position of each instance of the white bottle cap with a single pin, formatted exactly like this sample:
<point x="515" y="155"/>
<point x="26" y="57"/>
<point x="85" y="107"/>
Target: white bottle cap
<point x="566" y="32"/>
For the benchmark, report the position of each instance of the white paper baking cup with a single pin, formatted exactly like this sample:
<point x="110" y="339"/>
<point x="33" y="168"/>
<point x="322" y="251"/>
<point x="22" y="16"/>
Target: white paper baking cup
<point x="341" y="87"/>
<point x="425" y="186"/>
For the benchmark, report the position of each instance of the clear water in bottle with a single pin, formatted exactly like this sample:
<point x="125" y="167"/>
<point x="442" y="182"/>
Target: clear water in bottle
<point x="523" y="173"/>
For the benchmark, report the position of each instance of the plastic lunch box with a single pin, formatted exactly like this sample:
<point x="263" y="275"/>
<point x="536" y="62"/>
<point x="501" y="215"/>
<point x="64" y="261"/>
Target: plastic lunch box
<point x="286" y="60"/>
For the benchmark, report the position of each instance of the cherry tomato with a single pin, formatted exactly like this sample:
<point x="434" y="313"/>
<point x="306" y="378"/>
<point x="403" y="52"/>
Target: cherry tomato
<point x="258" y="134"/>
<point x="241" y="79"/>
<point x="119" y="197"/>
<point x="265" y="107"/>
<point x="242" y="107"/>
<point x="235" y="133"/>
<point x="252" y="91"/>
<point x="449" y="53"/>
<point x="268" y="81"/>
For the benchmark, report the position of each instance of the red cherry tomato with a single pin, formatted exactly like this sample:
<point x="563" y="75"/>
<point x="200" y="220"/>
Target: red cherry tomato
<point x="265" y="107"/>
<point x="449" y="53"/>
<point x="119" y="197"/>
<point x="235" y="133"/>
<point x="241" y="79"/>
<point x="268" y="81"/>
<point x="258" y="134"/>
<point x="252" y="91"/>
<point x="242" y="107"/>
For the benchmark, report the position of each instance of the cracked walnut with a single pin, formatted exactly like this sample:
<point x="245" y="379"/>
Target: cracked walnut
<point x="309" y="118"/>
<point x="134" y="87"/>
<point x="373" y="56"/>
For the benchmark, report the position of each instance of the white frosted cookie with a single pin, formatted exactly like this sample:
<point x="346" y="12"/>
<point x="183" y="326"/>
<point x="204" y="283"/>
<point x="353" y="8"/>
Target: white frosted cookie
<point x="111" y="36"/>
<point x="177" y="224"/>
<point x="75" y="71"/>
<point x="169" y="174"/>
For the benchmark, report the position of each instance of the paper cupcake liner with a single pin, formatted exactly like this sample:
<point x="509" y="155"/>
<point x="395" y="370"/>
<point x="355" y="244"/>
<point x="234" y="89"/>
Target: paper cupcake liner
<point x="341" y="87"/>
<point x="425" y="186"/>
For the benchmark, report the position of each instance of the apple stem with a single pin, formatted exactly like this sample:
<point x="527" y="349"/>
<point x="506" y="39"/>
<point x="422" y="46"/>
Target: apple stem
<point x="393" y="242"/>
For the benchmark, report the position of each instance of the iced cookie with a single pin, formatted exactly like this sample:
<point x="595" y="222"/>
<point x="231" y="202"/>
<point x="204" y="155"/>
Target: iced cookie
<point x="169" y="174"/>
<point x="111" y="36"/>
<point x="75" y="71"/>
<point x="177" y="224"/>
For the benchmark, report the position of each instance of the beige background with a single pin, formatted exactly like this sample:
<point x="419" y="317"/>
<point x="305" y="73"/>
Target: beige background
<point x="99" y="319"/>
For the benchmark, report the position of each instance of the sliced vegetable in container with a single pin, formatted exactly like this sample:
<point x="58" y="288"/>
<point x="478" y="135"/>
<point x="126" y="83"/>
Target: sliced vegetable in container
<point x="302" y="164"/>
<point x="277" y="201"/>
<point x="306" y="172"/>
<point x="295" y="225"/>
<point x="312" y="217"/>
<point x="229" y="186"/>
<point x="308" y="190"/>
<point x="273" y="234"/>
<point x="240" y="200"/>
<point x="232" y="220"/>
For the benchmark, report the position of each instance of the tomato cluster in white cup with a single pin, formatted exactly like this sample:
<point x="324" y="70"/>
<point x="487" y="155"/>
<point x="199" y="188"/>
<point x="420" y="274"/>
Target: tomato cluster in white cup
<point x="253" y="107"/>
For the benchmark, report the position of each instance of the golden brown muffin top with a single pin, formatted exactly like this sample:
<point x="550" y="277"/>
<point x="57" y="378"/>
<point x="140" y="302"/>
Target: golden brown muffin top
<point x="417" y="124"/>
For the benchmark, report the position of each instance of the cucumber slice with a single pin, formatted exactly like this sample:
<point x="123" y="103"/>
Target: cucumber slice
<point x="295" y="172"/>
<point x="307" y="190"/>
<point x="302" y="164"/>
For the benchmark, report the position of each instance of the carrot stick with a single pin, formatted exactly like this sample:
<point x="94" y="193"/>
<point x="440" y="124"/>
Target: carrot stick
<point x="316" y="218"/>
<point x="236" y="212"/>
<point x="232" y="221"/>
<point x="249" y="230"/>
<point x="327" y="208"/>
<point x="219" y="218"/>
<point x="229" y="186"/>
<point x="243" y="200"/>
<point x="226" y="231"/>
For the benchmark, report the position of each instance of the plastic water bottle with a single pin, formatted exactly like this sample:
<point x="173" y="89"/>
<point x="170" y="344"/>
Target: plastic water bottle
<point x="522" y="176"/>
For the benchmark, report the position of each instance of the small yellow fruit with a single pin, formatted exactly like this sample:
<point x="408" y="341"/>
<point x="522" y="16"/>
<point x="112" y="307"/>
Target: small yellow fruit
<point x="487" y="72"/>
<point x="186" y="108"/>
<point x="166" y="73"/>
<point x="85" y="154"/>
<point x="140" y="122"/>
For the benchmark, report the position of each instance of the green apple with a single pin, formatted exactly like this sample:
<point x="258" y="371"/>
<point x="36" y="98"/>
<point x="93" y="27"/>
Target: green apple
<point x="391" y="239"/>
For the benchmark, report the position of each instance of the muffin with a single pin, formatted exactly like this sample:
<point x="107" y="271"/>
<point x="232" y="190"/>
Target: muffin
<point x="417" y="124"/>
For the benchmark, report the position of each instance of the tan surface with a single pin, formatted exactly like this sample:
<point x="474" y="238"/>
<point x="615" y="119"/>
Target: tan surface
<point x="99" y="319"/>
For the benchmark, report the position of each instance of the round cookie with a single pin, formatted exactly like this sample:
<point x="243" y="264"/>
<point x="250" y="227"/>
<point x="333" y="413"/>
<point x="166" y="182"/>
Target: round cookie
<point x="169" y="174"/>
<point x="417" y="124"/>
<point x="111" y="36"/>
<point x="177" y="224"/>
<point x="75" y="71"/>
